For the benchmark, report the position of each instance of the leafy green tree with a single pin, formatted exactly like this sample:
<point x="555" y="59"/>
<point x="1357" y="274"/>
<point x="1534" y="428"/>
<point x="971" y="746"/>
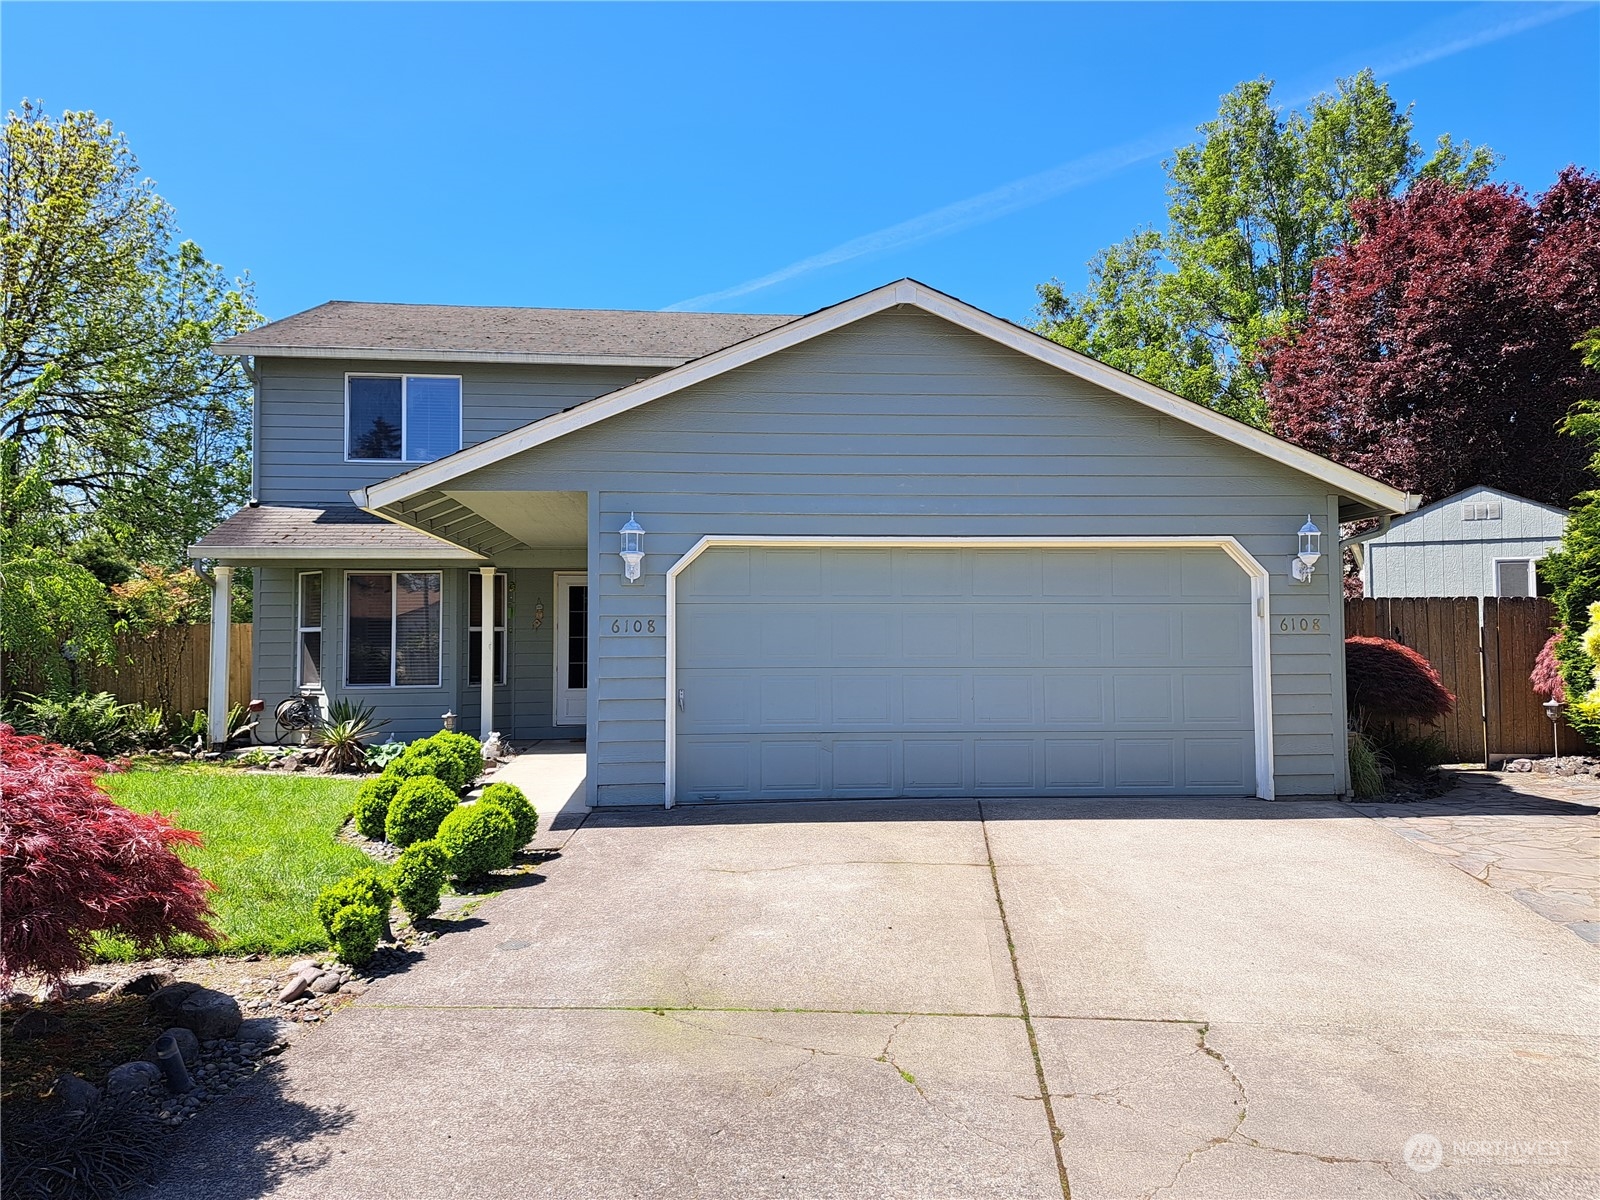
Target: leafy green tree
<point x="109" y="391"/>
<point x="53" y="620"/>
<point x="1252" y="205"/>
<point x="1572" y="573"/>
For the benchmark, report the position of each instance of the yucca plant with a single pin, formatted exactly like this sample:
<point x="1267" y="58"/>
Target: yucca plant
<point x="343" y="732"/>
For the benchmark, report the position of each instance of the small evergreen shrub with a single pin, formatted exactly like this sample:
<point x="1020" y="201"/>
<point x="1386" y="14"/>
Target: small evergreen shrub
<point x="421" y="760"/>
<point x="418" y="878"/>
<point x="355" y="912"/>
<point x="511" y="798"/>
<point x="478" y="838"/>
<point x="355" y="933"/>
<point x="462" y="747"/>
<point x="418" y="807"/>
<point x="372" y="805"/>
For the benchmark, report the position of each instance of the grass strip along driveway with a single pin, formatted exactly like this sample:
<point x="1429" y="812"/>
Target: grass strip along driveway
<point x="270" y="846"/>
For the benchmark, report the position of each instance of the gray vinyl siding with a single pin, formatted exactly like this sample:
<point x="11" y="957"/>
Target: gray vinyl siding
<point x="522" y="705"/>
<point x="300" y="417"/>
<point x="1434" y="552"/>
<point x="904" y="425"/>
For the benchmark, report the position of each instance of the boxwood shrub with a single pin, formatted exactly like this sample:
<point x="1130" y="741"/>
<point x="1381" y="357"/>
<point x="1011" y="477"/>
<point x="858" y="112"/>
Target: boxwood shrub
<point x="355" y="912"/>
<point x="421" y="760"/>
<point x="478" y="838"/>
<point x="372" y="804"/>
<point x="511" y="798"/>
<point x="418" y="807"/>
<point x="418" y="878"/>
<point x="463" y="747"/>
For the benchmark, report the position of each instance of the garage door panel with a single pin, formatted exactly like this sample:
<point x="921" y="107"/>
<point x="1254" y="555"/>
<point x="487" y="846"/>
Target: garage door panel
<point x="949" y="672"/>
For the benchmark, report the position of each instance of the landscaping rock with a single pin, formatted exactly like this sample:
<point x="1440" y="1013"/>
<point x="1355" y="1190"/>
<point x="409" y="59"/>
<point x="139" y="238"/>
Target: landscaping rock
<point x="35" y="1023"/>
<point x="147" y="984"/>
<point x="210" y="1014"/>
<point x="132" y="1077"/>
<point x="74" y="1095"/>
<point x="188" y="1046"/>
<point x="326" y="983"/>
<point x="306" y="964"/>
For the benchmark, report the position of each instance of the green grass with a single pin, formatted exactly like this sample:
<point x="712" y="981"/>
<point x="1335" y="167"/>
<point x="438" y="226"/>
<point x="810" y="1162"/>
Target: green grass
<point x="270" y="847"/>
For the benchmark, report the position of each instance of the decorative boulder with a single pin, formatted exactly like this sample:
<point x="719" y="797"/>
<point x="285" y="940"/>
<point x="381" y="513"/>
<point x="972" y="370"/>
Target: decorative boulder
<point x="74" y="1095"/>
<point x="208" y="1013"/>
<point x="147" y="984"/>
<point x="132" y="1077"/>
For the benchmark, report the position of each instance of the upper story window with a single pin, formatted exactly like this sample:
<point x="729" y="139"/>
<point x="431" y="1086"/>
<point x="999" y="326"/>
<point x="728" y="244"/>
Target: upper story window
<point x="402" y="418"/>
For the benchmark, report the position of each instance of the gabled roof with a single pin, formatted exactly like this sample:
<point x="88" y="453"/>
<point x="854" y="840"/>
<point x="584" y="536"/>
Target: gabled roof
<point x="456" y="333"/>
<point x="265" y="532"/>
<point x="1493" y="491"/>
<point x="1370" y="496"/>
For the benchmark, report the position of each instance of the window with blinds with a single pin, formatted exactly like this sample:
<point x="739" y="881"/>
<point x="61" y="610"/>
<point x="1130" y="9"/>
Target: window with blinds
<point x="402" y="418"/>
<point x="309" y="627"/>
<point x="393" y="623"/>
<point x="475" y="628"/>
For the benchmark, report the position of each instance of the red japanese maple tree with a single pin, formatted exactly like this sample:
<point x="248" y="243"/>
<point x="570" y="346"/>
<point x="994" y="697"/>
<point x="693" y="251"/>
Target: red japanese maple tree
<point x="1438" y="346"/>
<point x="73" y="863"/>
<point x="1388" y="679"/>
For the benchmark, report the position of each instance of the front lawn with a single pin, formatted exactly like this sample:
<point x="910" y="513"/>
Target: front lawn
<point x="270" y="847"/>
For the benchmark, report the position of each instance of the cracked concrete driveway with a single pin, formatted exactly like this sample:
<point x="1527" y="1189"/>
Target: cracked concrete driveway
<point x="1012" y="999"/>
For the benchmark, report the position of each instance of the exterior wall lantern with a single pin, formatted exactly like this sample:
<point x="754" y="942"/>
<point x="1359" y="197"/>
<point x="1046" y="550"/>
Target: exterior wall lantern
<point x="632" y="535"/>
<point x="449" y="720"/>
<point x="1304" y="564"/>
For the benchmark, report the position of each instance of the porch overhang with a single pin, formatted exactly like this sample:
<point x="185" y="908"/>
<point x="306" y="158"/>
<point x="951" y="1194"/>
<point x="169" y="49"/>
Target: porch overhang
<point x="490" y="523"/>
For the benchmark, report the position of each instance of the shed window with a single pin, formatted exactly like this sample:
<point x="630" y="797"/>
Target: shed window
<point x="475" y="628"/>
<point x="392" y="628"/>
<point x="1513" y="577"/>
<point x="309" y="626"/>
<point x="402" y="418"/>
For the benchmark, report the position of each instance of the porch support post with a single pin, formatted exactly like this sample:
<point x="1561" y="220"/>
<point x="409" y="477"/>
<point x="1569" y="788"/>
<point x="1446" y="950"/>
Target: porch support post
<point x="221" y="632"/>
<point x="486" y="666"/>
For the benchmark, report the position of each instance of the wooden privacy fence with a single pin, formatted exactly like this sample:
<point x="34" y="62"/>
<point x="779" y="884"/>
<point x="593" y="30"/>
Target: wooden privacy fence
<point x="171" y="670"/>
<point x="1484" y="651"/>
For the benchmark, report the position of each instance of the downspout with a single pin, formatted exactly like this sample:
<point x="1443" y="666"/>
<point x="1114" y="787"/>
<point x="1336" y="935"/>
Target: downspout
<point x="249" y="365"/>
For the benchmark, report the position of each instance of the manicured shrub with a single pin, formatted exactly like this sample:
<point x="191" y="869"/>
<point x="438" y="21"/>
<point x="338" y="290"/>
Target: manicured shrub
<point x="355" y="912"/>
<point x="372" y="804"/>
<point x="355" y="932"/>
<point x="417" y="808"/>
<point x="510" y="797"/>
<point x="463" y="747"/>
<point x="73" y="863"/>
<point x="421" y="760"/>
<point x="478" y="838"/>
<point x="418" y="878"/>
<point x="1389" y="680"/>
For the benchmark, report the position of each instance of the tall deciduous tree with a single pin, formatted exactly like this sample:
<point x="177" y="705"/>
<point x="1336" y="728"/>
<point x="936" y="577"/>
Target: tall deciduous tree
<point x="109" y="391"/>
<point x="1252" y="205"/>
<point x="1438" y="349"/>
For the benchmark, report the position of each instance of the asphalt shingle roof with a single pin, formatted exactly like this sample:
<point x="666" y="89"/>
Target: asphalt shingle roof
<point x="348" y="328"/>
<point x="333" y="527"/>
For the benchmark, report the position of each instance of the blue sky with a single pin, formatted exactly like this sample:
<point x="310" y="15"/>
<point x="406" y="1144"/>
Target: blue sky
<point x="756" y="157"/>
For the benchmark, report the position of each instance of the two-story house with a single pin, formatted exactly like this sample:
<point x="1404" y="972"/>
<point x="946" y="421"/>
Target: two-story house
<point x="896" y="547"/>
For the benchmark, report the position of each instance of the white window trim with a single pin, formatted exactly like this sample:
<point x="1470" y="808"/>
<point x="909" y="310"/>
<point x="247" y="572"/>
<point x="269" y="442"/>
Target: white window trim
<point x="394" y="632"/>
<point x="402" y="376"/>
<point x="1260" y="633"/>
<point x="561" y="658"/>
<point x="301" y="629"/>
<point x="1533" y="578"/>
<point x="502" y="665"/>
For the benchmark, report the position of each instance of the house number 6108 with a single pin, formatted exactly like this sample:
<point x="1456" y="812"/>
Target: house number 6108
<point x="1300" y="625"/>
<point x="637" y="625"/>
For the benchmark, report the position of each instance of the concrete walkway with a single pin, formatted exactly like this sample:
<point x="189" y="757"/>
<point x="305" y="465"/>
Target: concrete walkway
<point x="1007" y="999"/>
<point x="1534" y="837"/>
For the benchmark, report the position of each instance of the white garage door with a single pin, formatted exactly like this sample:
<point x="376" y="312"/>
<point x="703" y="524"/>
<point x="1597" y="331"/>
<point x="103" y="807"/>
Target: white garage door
<point x="962" y="672"/>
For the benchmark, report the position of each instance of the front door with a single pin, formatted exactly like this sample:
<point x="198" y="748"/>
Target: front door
<point x="572" y="647"/>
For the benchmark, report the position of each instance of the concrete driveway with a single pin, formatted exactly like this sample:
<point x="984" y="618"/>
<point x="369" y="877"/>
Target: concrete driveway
<point x="1012" y="999"/>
